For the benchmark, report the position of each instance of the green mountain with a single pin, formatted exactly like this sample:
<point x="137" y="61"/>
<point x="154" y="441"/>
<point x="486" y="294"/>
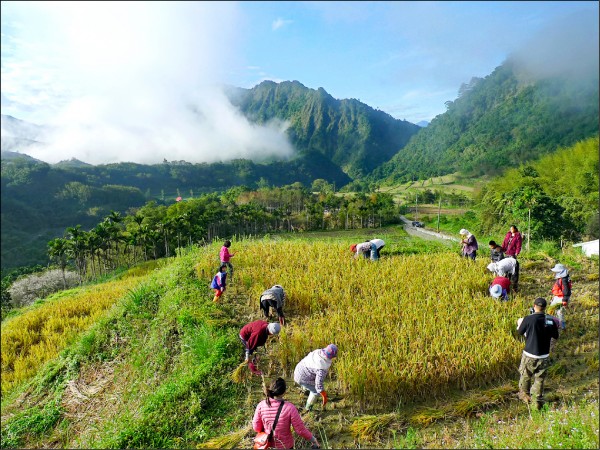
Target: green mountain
<point x="351" y="134"/>
<point x="498" y="122"/>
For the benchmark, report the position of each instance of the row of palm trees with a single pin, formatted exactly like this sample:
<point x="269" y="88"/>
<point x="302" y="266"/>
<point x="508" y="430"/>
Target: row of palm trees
<point x="155" y="231"/>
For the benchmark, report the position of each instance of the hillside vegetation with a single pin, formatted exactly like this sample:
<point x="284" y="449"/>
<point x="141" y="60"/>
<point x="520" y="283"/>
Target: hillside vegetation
<point x="426" y="357"/>
<point x="351" y="134"/>
<point x="498" y="122"/>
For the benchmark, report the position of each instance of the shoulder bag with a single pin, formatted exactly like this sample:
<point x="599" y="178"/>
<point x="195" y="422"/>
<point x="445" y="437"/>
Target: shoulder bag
<point x="264" y="440"/>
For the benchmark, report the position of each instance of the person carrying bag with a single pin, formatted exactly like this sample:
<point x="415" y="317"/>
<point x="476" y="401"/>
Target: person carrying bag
<point x="287" y="416"/>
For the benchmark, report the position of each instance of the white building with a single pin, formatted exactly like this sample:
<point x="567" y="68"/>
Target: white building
<point x="589" y="248"/>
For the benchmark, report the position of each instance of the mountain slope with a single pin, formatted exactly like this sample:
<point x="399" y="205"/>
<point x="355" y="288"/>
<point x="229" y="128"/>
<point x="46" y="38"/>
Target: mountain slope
<point x="353" y="135"/>
<point x="498" y="122"/>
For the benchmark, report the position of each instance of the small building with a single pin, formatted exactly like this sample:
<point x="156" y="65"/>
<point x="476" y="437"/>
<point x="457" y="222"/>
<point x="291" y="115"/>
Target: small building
<point x="589" y="248"/>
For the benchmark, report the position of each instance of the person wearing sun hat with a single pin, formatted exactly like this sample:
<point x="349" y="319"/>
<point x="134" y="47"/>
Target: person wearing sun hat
<point x="469" y="244"/>
<point x="310" y="373"/>
<point x="500" y="288"/>
<point x="561" y="291"/>
<point x="254" y="335"/>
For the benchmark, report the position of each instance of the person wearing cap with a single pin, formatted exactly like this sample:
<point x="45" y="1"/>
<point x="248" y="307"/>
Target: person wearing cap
<point x="500" y="288"/>
<point x="512" y="247"/>
<point x="561" y="291"/>
<point x="273" y="298"/>
<point x="469" y="244"/>
<point x="254" y="335"/>
<point x="538" y="329"/>
<point x="310" y="373"/>
<point x="503" y="268"/>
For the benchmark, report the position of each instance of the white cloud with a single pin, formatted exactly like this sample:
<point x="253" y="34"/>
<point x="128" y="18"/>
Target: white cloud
<point x="280" y="23"/>
<point x="130" y="81"/>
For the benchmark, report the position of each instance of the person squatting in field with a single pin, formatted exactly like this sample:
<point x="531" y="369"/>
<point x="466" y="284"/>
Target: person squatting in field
<point x="254" y="335"/>
<point x="273" y="298"/>
<point x="561" y="292"/>
<point x="469" y="244"/>
<point x="266" y="412"/>
<point x="539" y="329"/>
<point x="219" y="282"/>
<point x="311" y="371"/>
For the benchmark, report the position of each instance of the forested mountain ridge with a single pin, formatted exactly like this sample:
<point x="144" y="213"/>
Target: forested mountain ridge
<point x="498" y="122"/>
<point x="353" y="135"/>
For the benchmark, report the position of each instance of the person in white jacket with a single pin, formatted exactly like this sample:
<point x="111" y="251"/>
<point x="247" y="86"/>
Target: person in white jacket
<point x="310" y="373"/>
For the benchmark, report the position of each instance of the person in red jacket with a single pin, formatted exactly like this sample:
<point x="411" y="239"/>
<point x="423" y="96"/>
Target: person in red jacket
<point x="561" y="292"/>
<point x="500" y="288"/>
<point x="266" y="411"/>
<point x="254" y="335"/>
<point x="512" y="247"/>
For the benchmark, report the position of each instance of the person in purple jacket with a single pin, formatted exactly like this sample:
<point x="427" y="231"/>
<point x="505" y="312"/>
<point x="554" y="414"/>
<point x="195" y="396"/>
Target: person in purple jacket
<point x="469" y="244"/>
<point x="310" y="373"/>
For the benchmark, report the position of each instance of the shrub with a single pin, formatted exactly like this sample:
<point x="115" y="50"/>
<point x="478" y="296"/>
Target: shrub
<point x="26" y="290"/>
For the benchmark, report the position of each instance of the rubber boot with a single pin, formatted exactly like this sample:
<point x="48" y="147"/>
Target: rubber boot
<point x="310" y="400"/>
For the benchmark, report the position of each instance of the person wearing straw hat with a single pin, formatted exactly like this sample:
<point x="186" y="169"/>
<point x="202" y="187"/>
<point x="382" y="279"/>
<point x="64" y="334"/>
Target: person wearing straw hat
<point x="311" y="371"/>
<point x="266" y="415"/>
<point x="254" y="335"/>
<point x="538" y="329"/>
<point x="469" y="244"/>
<point x="500" y="288"/>
<point x="561" y="291"/>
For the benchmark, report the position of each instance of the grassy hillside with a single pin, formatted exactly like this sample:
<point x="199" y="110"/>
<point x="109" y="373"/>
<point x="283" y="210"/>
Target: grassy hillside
<point x="426" y="358"/>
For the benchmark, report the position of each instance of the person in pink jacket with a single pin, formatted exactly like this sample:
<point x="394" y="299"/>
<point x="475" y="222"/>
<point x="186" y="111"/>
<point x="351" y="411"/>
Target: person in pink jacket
<point x="265" y="413"/>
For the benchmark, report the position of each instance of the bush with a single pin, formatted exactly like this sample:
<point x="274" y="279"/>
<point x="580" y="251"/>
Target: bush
<point x="26" y="290"/>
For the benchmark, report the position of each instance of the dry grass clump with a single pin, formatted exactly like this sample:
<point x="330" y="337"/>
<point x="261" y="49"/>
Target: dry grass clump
<point x="241" y="373"/>
<point x="369" y="427"/>
<point x="231" y="440"/>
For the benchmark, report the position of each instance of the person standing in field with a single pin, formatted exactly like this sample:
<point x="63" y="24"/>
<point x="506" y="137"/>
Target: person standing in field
<point x="469" y="244"/>
<point x="225" y="256"/>
<point x="512" y="247"/>
<point x="273" y="298"/>
<point x="219" y="282"/>
<point x="561" y="292"/>
<point x="266" y="412"/>
<point x="538" y="329"/>
<point x="254" y="335"/>
<point x="311" y="371"/>
<point x="496" y="252"/>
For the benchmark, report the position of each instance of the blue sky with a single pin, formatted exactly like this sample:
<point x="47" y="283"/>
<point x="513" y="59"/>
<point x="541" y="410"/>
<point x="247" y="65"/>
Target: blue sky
<point x="129" y="71"/>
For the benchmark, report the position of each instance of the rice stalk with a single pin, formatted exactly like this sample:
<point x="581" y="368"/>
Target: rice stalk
<point x="230" y="440"/>
<point x="368" y="427"/>
<point x="240" y="373"/>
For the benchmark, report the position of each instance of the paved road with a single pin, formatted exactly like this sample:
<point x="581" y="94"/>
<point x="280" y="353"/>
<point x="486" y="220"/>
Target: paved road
<point x="427" y="234"/>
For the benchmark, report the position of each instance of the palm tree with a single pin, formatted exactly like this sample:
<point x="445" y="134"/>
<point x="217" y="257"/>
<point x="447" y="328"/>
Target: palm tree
<point x="58" y="251"/>
<point x="77" y="246"/>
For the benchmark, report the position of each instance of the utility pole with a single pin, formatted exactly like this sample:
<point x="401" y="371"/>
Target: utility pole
<point x="439" y="210"/>
<point x="417" y="206"/>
